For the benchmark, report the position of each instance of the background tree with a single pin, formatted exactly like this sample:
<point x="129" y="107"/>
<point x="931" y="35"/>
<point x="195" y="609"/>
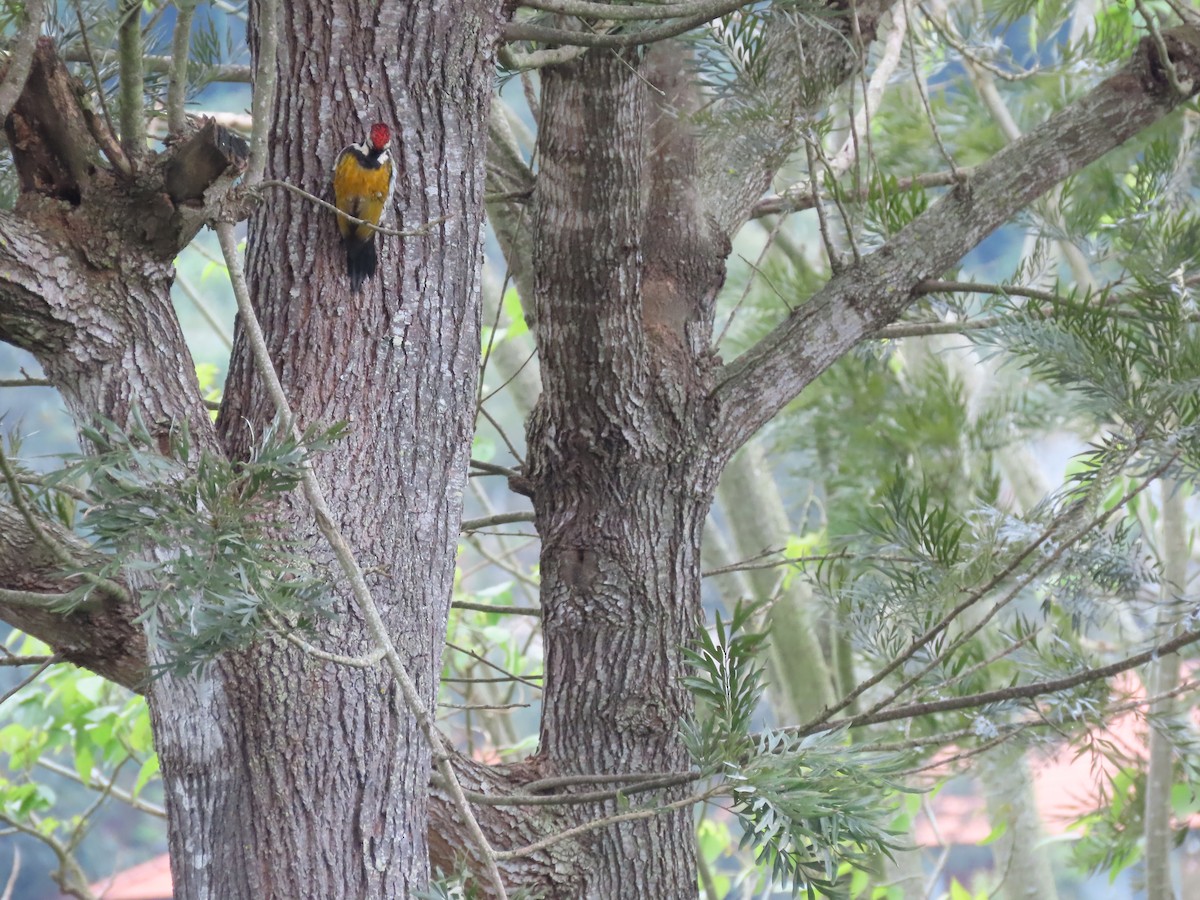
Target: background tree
<point x="293" y="575"/>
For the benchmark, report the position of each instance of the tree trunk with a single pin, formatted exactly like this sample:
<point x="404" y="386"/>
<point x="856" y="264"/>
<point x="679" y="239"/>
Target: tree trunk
<point x="618" y="463"/>
<point x="287" y="776"/>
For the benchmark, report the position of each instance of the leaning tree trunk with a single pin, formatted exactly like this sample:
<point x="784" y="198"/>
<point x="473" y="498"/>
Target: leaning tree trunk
<point x="293" y="777"/>
<point x="618" y="467"/>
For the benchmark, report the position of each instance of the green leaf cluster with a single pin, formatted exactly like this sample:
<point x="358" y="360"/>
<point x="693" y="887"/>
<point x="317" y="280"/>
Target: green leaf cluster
<point x="199" y="535"/>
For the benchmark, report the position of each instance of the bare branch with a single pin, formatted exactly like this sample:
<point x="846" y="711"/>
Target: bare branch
<point x="100" y="634"/>
<point x="798" y="198"/>
<point x="635" y="12"/>
<point x="177" y="85"/>
<point x="108" y="785"/>
<point x="519" y="31"/>
<point x="498" y="519"/>
<point x="325" y="204"/>
<point x="638" y="786"/>
<point x="25" y="382"/>
<point x="608" y="822"/>
<point x="264" y="88"/>
<point x="132" y="81"/>
<point x="28" y="679"/>
<point x="533" y="611"/>
<point x="524" y="679"/>
<point x="231" y="73"/>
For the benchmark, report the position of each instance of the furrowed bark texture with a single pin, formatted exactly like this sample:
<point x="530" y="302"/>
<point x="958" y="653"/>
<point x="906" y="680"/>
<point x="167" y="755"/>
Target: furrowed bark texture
<point x="298" y="778"/>
<point x="616" y="462"/>
<point x="100" y="635"/>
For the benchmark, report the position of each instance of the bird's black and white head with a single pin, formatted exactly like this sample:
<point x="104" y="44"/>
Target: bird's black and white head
<point x="379" y="138"/>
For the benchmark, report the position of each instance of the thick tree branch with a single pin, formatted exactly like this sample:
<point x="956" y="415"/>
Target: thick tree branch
<point x="101" y="636"/>
<point x="865" y="297"/>
<point x="21" y="58"/>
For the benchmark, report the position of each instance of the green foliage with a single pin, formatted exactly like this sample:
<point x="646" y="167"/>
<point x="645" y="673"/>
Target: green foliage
<point x="68" y="717"/>
<point x="889" y="208"/>
<point x="727" y="685"/>
<point x="231" y="563"/>
<point x="807" y="805"/>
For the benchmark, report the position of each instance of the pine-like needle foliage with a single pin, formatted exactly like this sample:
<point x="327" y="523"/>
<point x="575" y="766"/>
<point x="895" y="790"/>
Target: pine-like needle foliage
<point x="807" y="806"/>
<point x="232" y="561"/>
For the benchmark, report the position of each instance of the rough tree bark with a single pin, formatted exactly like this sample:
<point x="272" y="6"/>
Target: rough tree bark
<point x="323" y="764"/>
<point x="289" y="777"/>
<point x="618" y="469"/>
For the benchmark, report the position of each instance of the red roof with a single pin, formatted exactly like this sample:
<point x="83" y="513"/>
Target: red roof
<point x="149" y="881"/>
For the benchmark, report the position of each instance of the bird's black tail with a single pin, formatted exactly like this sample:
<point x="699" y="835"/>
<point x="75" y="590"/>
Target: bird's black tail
<point x="361" y="262"/>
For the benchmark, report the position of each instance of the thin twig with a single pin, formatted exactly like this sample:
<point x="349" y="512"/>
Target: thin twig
<point x="934" y="630"/>
<point x="533" y="611"/>
<point x="205" y="313"/>
<point x="1163" y="55"/>
<point x="420" y="231"/>
<point x="531" y="799"/>
<point x="1046" y="563"/>
<point x="523" y="679"/>
<point x="1020" y="691"/>
<point x="503" y="436"/>
<point x="835" y="258"/>
<point x="57" y="550"/>
<point x="365" y="661"/>
<point x="496" y="561"/>
<point x="115" y="154"/>
<point x="797" y="198"/>
<point x="70" y="877"/>
<point x="920" y="83"/>
<point x="18" y="661"/>
<point x="155" y="63"/>
<point x="24" y="382"/>
<point x="951" y="36"/>
<point x="498" y="519"/>
<point x="488" y="468"/>
<point x="73" y="492"/>
<point x="28" y="679"/>
<point x="510" y="379"/>
<point x="11" y="884"/>
<point x="607" y="822"/>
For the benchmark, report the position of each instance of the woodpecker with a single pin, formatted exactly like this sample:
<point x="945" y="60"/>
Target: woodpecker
<point x="363" y="177"/>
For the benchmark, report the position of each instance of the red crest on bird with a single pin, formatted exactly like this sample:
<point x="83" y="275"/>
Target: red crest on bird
<point x="380" y="136"/>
